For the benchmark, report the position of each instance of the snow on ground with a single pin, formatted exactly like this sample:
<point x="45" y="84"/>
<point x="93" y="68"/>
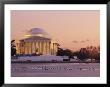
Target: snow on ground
<point x="41" y="58"/>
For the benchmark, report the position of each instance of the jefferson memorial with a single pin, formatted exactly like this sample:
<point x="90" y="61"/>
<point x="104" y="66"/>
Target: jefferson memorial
<point x="37" y="41"/>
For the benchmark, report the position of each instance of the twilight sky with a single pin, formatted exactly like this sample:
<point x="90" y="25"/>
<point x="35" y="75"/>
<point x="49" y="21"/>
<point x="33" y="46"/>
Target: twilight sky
<point x="71" y="29"/>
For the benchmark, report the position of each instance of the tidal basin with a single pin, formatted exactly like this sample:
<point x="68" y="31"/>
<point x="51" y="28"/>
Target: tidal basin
<point x="55" y="69"/>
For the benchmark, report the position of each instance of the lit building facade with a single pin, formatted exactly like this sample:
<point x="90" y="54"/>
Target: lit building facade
<point x="37" y="41"/>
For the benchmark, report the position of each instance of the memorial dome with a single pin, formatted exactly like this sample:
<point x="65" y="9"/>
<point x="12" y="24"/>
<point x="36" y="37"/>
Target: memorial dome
<point x="37" y="32"/>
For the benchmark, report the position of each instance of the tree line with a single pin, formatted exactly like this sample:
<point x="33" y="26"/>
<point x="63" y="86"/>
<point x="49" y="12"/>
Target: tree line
<point x="90" y="52"/>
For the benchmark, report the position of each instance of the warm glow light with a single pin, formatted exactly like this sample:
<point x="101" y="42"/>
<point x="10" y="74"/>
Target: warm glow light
<point x="39" y="35"/>
<point x="27" y="35"/>
<point x="33" y="35"/>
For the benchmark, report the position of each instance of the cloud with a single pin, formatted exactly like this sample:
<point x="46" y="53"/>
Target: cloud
<point x="75" y="41"/>
<point x="87" y="40"/>
<point x="83" y="41"/>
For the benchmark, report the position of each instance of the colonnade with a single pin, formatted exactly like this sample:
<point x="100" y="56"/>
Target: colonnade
<point x="38" y="47"/>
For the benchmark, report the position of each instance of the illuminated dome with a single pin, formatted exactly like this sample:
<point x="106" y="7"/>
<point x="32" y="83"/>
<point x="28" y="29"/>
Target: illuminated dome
<point x="37" y="32"/>
<point x="37" y="42"/>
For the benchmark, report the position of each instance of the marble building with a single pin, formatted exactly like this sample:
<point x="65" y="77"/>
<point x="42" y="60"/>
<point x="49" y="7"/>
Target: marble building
<point x="37" y="41"/>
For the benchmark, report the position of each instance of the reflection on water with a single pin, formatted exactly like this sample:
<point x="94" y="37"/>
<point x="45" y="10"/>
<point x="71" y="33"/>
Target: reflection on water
<point x="55" y="69"/>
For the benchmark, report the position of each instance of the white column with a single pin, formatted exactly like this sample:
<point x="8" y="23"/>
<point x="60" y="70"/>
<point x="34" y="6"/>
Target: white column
<point x="34" y="46"/>
<point x="55" y="46"/>
<point x="20" y="47"/>
<point x="44" y="50"/>
<point x="31" y="47"/>
<point x="38" y="47"/>
<point x="45" y="47"/>
<point x="42" y="47"/>
<point x="25" y="48"/>
<point x="28" y="48"/>
<point x="52" y="48"/>
<point x="49" y="47"/>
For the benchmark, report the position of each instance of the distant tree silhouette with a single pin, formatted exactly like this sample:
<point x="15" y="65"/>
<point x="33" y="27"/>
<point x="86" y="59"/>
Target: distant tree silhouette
<point x="66" y="52"/>
<point x="13" y="48"/>
<point x="60" y="52"/>
<point x="76" y="53"/>
<point x="83" y="54"/>
<point x="90" y="52"/>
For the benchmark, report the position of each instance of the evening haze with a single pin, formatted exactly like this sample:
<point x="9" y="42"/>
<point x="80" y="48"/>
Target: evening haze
<point x="71" y="29"/>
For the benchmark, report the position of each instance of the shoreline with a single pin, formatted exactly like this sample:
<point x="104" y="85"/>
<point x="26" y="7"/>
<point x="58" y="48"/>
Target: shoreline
<point x="49" y="62"/>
